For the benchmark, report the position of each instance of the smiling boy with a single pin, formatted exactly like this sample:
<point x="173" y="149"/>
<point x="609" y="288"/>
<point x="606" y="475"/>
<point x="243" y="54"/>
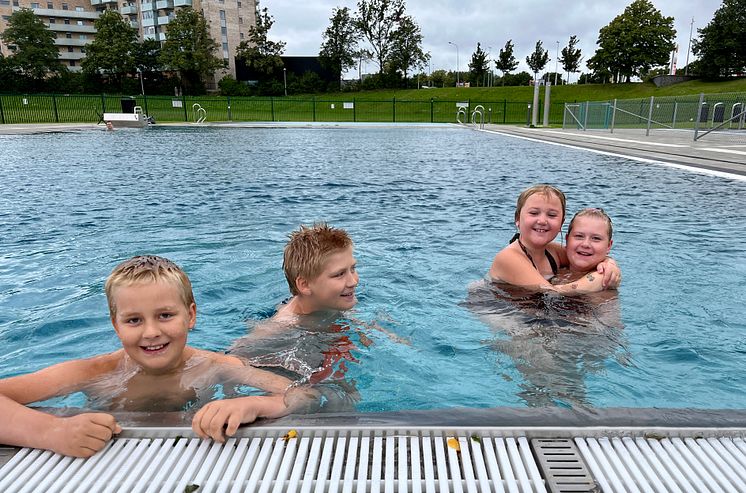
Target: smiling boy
<point x="152" y="309"/>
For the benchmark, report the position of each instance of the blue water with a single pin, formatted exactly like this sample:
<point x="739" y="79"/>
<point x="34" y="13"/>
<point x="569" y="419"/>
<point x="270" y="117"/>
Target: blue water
<point x="427" y="207"/>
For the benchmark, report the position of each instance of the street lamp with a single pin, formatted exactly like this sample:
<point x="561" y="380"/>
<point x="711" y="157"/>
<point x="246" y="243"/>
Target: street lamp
<point x="285" y="79"/>
<point x="489" y="65"/>
<point x="458" y="66"/>
<point x="691" y="30"/>
<point x="556" y="59"/>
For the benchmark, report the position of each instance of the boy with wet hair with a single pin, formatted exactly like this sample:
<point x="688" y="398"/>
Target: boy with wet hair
<point x="152" y="309"/>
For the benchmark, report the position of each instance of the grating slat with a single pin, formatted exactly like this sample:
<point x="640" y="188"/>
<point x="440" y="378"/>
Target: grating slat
<point x="388" y="461"/>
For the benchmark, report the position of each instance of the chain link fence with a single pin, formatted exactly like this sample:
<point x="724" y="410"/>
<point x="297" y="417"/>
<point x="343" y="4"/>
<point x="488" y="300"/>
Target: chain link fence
<point x="719" y="115"/>
<point x="55" y="108"/>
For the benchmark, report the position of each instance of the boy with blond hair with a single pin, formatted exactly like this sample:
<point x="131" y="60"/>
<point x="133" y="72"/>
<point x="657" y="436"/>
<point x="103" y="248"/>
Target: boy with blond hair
<point x="152" y="309"/>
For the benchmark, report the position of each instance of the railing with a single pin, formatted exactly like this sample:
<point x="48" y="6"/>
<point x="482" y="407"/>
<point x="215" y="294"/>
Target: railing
<point x="55" y="108"/>
<point x="478" y="111"/>
<point x="704" y="114"/>
<point x="199" y="113"/>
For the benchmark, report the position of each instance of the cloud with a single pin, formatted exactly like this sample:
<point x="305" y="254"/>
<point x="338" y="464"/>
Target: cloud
<point x="492" y="23"/>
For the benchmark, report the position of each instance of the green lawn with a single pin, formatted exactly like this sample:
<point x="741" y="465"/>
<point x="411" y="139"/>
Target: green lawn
<point x="502" y="104"/>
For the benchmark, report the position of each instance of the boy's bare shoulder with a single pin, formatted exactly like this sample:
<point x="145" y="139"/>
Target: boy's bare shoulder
<point x="219" y="358"/>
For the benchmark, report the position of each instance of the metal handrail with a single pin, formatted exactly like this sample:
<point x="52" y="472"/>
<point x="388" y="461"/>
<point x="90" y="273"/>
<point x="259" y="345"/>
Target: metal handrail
<point x="461" y="111"/>
<point x="478" y="110"/>
<point x="199" y="113"/>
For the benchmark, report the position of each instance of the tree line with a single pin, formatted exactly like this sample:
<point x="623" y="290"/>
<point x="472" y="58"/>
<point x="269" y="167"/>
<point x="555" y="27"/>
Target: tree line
<point x="635" y="44"/>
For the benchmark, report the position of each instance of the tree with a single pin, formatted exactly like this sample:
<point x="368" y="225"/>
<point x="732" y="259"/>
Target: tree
<point x="406" y="49"/>
<point x="538" y="59"/>
<point x="190" y="50"/>
<point x="261" y="54"/>
<point x="34" y="54"/>
<point x="634" y="42"/>
<point x="571" y="57"/>
<point x="147" y="56"/>
<point x="339" y="48"/>
<point x="506" y="61"/>
<point x="377" y="21"/>
<point x="478" y="65"/>
<point x="721" y="47"/>
<point x="112" y="53"/>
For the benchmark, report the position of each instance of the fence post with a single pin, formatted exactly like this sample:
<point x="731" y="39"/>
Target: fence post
<point x="650" y="115"/>
<point x="230" y="114"/>
<point x="613" y="116"/>
<point x="354" y="110"/>
<point x="432" y="115"/>
<point x="54" y="105"/>
<point x="698" y="114"/>
<point x="272" y="107"/>
<point x="585" y="118"/>
<point x="103" y="103"/>
<point x="145" y="103"/>
<point x="393" y="106"/>
<point x="675" y="111"/>
<point x="183" y="105"/>
<point x="505" y="110"/>
<point x="313" y="102"/>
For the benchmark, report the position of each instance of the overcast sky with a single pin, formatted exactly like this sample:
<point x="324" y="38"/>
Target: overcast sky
<point x="491" y="22"/>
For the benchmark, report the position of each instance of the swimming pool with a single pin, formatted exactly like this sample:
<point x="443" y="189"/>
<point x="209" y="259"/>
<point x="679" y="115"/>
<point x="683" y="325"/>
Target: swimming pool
<point x="427" y="207"/>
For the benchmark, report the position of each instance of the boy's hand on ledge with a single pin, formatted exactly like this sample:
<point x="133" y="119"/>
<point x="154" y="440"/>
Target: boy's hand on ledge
<point x="82" y="435"/>
<point x="612" y="274"/>
<point x="229" y="414"/>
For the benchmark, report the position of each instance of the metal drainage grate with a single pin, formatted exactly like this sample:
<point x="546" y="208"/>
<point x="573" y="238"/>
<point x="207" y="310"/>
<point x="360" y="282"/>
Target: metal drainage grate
<point x="315" y="461"/>
<point x="697" y="465"/>
<point x="563" y="467"/>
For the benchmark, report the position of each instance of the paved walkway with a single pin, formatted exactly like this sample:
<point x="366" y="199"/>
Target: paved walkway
<point x="724" y="152"/>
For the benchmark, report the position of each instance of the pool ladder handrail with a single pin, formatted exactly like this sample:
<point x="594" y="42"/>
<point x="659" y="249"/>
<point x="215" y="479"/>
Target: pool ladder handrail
<point x="461" y="111"/>
<point x="199" y="113"/>
<point x="478" y="110"/>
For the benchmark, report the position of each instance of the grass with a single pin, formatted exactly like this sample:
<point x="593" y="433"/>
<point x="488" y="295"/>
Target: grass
<point x="502" y="104"/>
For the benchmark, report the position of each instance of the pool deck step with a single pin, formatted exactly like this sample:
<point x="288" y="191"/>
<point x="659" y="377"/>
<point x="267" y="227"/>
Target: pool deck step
<point x="384" y="459"/>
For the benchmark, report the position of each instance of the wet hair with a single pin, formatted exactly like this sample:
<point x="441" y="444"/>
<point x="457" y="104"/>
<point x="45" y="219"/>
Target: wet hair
<point x="593" y="212"/>
<point x="147" y="269"/>
<point x="547" y="191"/>
<point x="308" y="249"/>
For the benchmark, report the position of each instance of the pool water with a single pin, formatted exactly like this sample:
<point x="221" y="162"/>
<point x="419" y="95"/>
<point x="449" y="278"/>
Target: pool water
<point x="428" y="208"/>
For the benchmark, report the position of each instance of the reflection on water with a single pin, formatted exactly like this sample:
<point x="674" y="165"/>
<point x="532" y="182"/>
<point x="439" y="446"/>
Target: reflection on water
<point x="313" y="349"/>
<point x="553" y="341"/>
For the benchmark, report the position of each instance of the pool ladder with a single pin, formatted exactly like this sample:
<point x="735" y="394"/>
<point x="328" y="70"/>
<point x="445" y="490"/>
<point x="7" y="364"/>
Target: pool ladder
<point x="478" y="112"/>
<point x="199" y="113"/>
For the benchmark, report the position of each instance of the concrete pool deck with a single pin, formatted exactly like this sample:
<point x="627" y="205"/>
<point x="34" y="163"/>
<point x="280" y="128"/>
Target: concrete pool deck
<point x="722" y="152"/>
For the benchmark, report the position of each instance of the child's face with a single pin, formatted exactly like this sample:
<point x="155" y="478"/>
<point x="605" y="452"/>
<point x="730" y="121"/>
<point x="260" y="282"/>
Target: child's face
<point x="334" y="288"/>
<point x="540" y="219"/>
<point x="588" y="243"/>
<point x="152" y="322"/>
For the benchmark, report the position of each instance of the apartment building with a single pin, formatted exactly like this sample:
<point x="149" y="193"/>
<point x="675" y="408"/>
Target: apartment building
<point x="72" y="22"/>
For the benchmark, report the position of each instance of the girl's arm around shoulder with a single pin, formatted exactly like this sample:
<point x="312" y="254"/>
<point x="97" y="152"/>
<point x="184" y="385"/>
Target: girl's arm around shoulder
<point x="592" y="282"/>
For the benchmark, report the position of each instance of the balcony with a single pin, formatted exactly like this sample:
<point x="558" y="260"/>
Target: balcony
<point x="128" y="10"/>
<point x="69" y="14"/>
<point x="164" y="19"/>
<point x="71" y="28"/>
<point x="95" y="2"/>
<point x="156" y="36"/>
<point x="164" y="4"/>
<point x="149" y="22"/>
<point x="134" y="24"/>
<point x="104" y="2"/>
<point x="64" y="55"/>
<point x="72" y="42"/>
<point x="147" y="6"/>
<point x="182" y="3"/>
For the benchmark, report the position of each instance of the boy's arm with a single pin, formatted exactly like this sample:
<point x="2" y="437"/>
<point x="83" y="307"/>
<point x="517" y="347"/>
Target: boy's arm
<point x="79" y="436"/>
<point x="591" y="282"/>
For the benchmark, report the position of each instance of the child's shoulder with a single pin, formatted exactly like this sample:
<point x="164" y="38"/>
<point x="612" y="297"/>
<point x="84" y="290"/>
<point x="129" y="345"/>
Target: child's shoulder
<point x="218" y="358"/>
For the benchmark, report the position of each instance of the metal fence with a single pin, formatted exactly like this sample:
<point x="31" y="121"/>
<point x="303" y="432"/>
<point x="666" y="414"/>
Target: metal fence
<point x="703" y="114"/>
<point x="55" y="108"/>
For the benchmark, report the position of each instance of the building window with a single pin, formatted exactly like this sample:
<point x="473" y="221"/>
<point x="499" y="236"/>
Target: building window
<point x="224" y="31"/>
<point x="34" y="5"/>
<point x="67" y="21"/>
<point x="83" y="37"/>
<point x="79" y="9"/>
<point x="64" y="6"/>
<point x="72" y="63"/>
<point x="52" y="20"/>
<point x="70" y="49"/>
<point x="240" y="35"/>
<point x="82" y="49"/>
<point x="239" y="4"/>
<point x="4" y="2"/>
<point x="69" y="35"/>
<point x="240" y="20"/>
<point x="50" y="5"/>
<point x="222" y="15"/>
<point x="15" y="3"/>
<point x="81" y="23"/>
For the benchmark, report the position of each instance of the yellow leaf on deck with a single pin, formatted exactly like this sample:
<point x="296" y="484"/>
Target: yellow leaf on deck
<point x="290" y="434"/>
<point x="453" y="443"/>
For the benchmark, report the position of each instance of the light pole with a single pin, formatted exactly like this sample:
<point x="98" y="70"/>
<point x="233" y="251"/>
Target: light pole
<point x="489" y="65"/>
<point x="285" y="79"/>
<point x="691" y="30"/>
<point x="142" y="84"/>
<point x="556" y="60"/>
<point x="458" y="68"/>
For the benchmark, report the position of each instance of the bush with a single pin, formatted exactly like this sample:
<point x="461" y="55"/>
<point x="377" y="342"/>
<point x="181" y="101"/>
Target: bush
<point x="231" y="87"/>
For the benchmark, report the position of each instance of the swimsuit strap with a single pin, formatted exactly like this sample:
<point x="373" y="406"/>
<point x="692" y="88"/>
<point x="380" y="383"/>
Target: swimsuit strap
<point x="550" y="258"/>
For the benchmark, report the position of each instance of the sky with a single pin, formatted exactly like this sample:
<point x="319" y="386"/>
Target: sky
<point x="490" y="22"/>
